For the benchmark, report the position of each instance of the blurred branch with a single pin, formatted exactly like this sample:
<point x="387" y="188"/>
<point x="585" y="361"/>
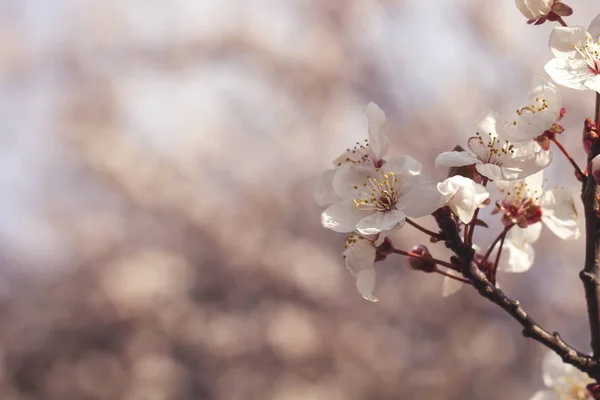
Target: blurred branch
<point x="487" y="289"/>
<point x="590" y="275"/>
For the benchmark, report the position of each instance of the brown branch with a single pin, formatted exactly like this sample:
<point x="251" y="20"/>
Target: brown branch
<point x="488" y="290"/>
<point x="590" y="275"/>
<point x="424" y="258"/>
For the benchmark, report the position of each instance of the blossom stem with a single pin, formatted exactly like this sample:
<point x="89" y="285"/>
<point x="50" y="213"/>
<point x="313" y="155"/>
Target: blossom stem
<point x="495" y="266"/>
<point x="452" y="276"/>
<point x="561" y="21"/>
<point x="469" y="238"/>
<point x="424" y="258"/>
<point x="578" y="172"/>
<point x="500" y="237"/>
<point x="424" y="230"/>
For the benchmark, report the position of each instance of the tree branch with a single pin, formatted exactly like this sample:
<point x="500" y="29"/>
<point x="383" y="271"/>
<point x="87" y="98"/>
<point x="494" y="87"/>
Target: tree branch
<point x="488" y="290"/>
<point x="590" y="275"/>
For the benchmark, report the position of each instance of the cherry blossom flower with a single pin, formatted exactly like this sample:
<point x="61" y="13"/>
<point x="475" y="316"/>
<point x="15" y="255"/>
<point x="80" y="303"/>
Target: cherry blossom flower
<point x="463" y="196"/>
<point x="538" y="11"/>
<point x="577" y="56"/>
<point x="517" y="256"/>
<point x="368" y="153"/>
<point x="379" y="200"/>
<point x="360" y="257"/>
<point x="564" y="382"/>
<point x="527" y="203"/>
<point x="495" y="158"/>
<point x="541" y="112"/>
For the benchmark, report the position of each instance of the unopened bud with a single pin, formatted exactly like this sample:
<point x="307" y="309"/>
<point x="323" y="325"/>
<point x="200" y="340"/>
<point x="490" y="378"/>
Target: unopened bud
<point x="420" y="264"/>
<point x="594" y="168"/>
<point x="590" y="135"/>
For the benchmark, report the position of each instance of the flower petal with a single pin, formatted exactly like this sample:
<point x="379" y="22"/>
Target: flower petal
<point x="376" y="120"/>
<point x="324" y="194"/>
<point x="562" y="40"/>
<point x="455" y="159"/>
<point x="559" y="214"/>
<point x="342" y="216"/>
<point x="594" y="28"/>
<point x="516" y="259"/>
<point x="497" y="173"/>
<point x="521" y="236"/>
<point x="568" y="72"/>
<point x="593" y="83"/>
<point x="450" y="286"/>
<point x="365" y="283"/>
<point x="419" y="199"/>
<point x="403" y="165"/>
<point x="349" y="179"/>
<point x="554" y="369"/>
<point x="463" y="196"/>
<point x="377" y="222"/>
<point x="359" y="258"/>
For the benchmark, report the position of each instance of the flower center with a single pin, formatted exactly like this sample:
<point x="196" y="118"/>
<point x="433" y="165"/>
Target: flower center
<point x="383" y="195"/>
<point x="590" y="53"/>
<point x="359" y="154"/>
<point x="495" y="151"/>
<point x="520" y="207"/>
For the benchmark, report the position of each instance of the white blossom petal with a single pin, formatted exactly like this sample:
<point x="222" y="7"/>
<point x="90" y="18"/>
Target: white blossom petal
<point x="378" y="141"/>
<point x="554" y="369"/>
<point x="377" y="222"/>
<point x="450" y="286"/>
<point x="324" y="194"/>
<point x="594" y="28"/>
<point x="534" y="9"/>
<point x="455" y="159"/>
<point x="593" y="83"/>
<point x="516" y="259"/>
<point x="360" y="257"/>
<point x="463" y="196"/>
<point x="403" y="165"/>
<point x="419" y="199"/>
<point x="571" y="73"/>
<point x="497" y="173"/>
<point x="342" y="216"/>
<point x="559" y="214"/>
<point x="562" y="40"/>
<point x="365" y="283"/>
<point x="350" y="176"/>
<point x="521" y="236"/>
<point x="545" y="395"/>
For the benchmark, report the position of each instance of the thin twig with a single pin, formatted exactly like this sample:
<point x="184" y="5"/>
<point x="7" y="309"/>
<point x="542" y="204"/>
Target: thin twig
<point x="590" y="275"/>
<point x="424" y="258"/>
<point x="469" y="240"/>
<point x="424" y="230"/>
<point x="578" y="171"/>
<point x="498" y="238"/>
<point x="495" y="266"/>
<point x="452" y="276"/>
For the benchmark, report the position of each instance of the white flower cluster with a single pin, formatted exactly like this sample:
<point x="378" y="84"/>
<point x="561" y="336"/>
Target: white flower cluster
<point x="370" y="197"/>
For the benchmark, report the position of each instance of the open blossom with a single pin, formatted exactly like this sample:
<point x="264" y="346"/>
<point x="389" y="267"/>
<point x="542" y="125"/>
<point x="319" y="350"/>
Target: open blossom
<point x="542" y="110"/>
<point x="577" y="56"/>
<point x="463" y="196"/>
<point x="360" y="256"/>
<point x="564" y="382"/>
<point x="495" y="158"/>
<point x="379" y="200"/>
<point x="539" y="11"/>
<point x="527" y="203"/>
<point x="368" y="153"/>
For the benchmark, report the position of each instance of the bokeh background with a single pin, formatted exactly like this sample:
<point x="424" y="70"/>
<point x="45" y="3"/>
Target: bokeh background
<point x="158" y="234"/>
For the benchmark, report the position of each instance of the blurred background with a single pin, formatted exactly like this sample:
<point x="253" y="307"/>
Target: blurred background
<point x="158" y="234"/>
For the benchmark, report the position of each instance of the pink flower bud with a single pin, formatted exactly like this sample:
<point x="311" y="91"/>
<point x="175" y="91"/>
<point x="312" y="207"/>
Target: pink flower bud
<point x="420" y="264"/>
<point x="594" y="168"/>
<point x="589" y="134"/>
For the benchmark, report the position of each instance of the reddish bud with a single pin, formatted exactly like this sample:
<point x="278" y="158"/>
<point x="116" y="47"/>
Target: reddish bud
<point x="419" y="264"/>
<point x="590" y="134"/>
